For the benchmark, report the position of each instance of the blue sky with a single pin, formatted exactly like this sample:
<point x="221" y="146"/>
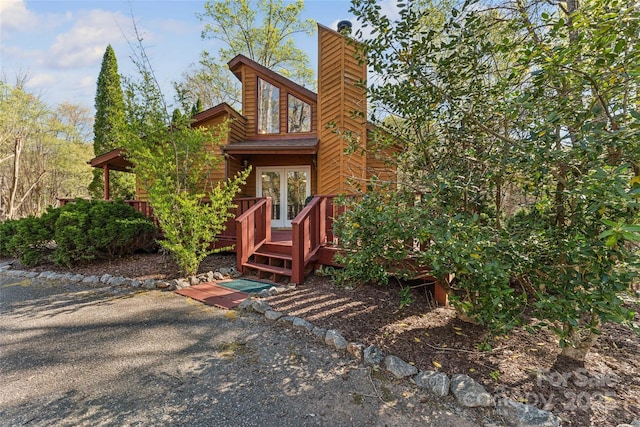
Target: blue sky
<point x="59" y="44"/>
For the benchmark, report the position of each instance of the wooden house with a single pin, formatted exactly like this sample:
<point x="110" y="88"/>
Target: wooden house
<point x="283" y="223"/>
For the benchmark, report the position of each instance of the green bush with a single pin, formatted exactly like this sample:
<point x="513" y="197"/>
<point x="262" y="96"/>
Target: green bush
<point x="77" y="232"/>
<point x="8" y="230"/>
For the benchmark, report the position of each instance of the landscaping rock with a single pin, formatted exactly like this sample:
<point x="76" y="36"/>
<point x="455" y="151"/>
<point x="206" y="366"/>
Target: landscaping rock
<point x="436" y="383"/>
<point x="264" y="293"/>
<point x="115" y="281"/>
<point x="300" y="323"/>
<point x="335" y="339"/>
<point x="149" y="284"/>
<point x="105" y="278"/>
<point x="234" y="273"/>
<point x="286" y="319"/>
<point x="218" y="276"/>
<point x="181" y="283"/>
<point x="356" y="350"/>
<point x="76" y="278"/>
<point x="208" y="276"/>
<point x="373" y="356"/>
<point x="193" y="280"/>
<point x="319" y="332"/>
<point x="468" y="392"/>
<point x="398" y="367"/>
<point x="136" y="283"/>
<point x="92" y="280"/>
<point x="521" y="415"/>
<point x="32" y="275"/>
<point x="245" y="305"/>
<point x="272" y="315"/>
<point x="161" y="284"/>
<point x="281" y="289"/>
<point x="260" y="306"/>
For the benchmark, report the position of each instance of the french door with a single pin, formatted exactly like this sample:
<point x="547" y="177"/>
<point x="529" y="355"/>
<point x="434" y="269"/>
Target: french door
<point x="288" y="188"/>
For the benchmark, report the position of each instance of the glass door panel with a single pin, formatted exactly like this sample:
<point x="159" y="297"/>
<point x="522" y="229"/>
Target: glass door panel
<point x="297" y="192"/>
<point x="288" y="188"/>
<point x="270" y="187"/>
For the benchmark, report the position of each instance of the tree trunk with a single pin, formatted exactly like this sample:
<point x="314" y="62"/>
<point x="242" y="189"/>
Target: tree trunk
<point x="16" y="176"/>
<point x="582" y="341"/>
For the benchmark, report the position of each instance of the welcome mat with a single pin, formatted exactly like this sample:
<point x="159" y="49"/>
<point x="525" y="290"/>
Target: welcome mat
<point x="225" y="294"/>
<point x="212" y="294"/>
<point x="245" y="285"/>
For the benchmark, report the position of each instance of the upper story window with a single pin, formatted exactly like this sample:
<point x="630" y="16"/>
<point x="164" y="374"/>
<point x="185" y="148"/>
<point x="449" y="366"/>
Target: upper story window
<point x="299" y="115"/>
<point x="268" y="107"/>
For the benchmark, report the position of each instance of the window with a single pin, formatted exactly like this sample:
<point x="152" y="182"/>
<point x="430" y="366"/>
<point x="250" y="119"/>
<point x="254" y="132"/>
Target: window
<point x="268" y="107"/>
<point x="299" y="115"/>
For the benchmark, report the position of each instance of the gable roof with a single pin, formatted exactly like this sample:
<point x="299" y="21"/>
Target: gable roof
<point x="215" y="111"/>
<point x="239" y="60"/>
<point x="114" y="160"/>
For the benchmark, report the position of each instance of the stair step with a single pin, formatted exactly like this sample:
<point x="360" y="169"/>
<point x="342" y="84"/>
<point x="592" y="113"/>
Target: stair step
<point x="276" y="248"/>
<point x="268" y="268"/>
<point x="286" y="257"/>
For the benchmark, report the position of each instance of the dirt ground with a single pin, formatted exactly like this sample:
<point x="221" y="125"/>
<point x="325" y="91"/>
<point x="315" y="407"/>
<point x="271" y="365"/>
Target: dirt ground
<point x="604" y="392"/>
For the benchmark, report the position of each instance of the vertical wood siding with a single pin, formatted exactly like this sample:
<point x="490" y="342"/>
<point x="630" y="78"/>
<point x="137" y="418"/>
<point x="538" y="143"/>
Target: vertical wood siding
<point x="338" y="97"/>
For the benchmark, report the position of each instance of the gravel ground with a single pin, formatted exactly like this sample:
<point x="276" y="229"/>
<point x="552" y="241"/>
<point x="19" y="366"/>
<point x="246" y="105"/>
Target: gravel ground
<point x="72" y="355"/>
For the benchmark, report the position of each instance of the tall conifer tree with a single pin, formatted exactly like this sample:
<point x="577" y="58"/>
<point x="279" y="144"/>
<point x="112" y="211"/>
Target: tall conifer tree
<point x="109" y="128"/>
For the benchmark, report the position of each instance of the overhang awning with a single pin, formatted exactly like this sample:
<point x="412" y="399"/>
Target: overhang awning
<point x="114" y="160"/>
<point x="274" y="146"/>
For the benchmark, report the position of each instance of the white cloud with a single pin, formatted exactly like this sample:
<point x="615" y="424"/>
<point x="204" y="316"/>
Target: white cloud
<point x="41" y="80"/>
<point x="14" y="16"/>
<point x="84" y="43"/>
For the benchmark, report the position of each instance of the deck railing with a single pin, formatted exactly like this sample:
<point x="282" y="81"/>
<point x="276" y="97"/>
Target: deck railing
<point x="253" y="227"/>
<point x="226" y="238"/>
<point x="312" y="229"/>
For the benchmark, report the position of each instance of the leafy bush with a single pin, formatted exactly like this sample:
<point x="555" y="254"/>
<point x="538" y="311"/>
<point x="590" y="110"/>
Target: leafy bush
<point x="79" y="231"/>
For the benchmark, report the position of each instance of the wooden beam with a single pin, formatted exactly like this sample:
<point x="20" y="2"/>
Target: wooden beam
<point x="105" y="172"/>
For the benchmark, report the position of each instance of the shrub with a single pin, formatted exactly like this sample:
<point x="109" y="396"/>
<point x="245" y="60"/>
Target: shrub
<point x="80" y="231"/>
<point x="88" y="230"/>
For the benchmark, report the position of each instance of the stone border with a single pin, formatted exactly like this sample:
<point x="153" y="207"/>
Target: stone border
<point x="466" y="391"/>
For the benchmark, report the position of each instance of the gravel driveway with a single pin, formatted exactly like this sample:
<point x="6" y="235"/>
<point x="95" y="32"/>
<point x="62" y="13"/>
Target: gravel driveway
<point x="73" y="355"/>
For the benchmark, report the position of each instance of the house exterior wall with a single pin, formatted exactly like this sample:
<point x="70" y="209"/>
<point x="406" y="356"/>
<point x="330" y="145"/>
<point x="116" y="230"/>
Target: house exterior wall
<point x="338" y="96"/>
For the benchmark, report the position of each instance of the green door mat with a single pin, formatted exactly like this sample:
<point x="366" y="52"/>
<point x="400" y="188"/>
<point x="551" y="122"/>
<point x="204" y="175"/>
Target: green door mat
<point x="245" y="285"/>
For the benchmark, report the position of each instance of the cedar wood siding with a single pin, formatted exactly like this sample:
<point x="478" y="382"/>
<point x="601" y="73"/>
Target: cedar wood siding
<point x="338" y="96"/>
<point x="249" y="78"/>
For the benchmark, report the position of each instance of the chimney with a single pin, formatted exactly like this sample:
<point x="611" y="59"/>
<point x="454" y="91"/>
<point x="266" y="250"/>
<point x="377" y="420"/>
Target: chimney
<point x="344" y="27"/>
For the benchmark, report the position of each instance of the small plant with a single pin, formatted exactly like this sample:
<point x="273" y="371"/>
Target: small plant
<point x="495" y="375"/>
<point x="406" y="297"/>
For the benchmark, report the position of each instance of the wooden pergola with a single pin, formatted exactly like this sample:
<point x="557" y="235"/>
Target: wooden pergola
<point x="113" y="160"/>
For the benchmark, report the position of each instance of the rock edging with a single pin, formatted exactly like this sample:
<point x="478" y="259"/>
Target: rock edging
<point x="466" y="391"/>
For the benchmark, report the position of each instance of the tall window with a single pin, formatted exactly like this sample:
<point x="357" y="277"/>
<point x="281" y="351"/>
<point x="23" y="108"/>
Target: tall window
<point x="268" y="107"/>
<point x="299" y="115"/>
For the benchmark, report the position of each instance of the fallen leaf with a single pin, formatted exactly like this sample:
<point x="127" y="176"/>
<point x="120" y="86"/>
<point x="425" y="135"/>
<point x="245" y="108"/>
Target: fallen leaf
<point x="436" y="364"/>
<point x="472" y="369"/>
<point x="426" y="334"/>
<point x="416" y="339"/>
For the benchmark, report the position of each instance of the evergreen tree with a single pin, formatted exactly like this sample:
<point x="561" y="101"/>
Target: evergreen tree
<point x="109" y="128"/>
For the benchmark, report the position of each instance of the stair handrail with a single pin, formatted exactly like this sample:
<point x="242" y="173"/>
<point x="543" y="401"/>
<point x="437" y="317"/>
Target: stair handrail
<point x="309" y="233"/>
<point x="253" y="227"/>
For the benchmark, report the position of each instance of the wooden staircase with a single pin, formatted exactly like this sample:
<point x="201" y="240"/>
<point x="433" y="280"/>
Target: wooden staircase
<point x="291" y="258"/>
<point x="272" y="260"/>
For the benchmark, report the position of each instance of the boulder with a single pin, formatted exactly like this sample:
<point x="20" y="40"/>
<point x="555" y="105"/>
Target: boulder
<point x="521" y="415"/>
<point x="335" y="339"/>
<point x="437" y="383"/>
<point x="373" y="356"/>
<point x="398" y="367"/>
<point x="468" y="392"/>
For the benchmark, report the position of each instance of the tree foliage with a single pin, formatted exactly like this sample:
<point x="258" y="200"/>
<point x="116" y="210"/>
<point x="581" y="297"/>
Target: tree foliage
<point x="43" y="152"/>
<point x="109" y="128"/>
<point x="519" y="125"/>
<point x="174" y="166"/>
<point x="263" y="31"/>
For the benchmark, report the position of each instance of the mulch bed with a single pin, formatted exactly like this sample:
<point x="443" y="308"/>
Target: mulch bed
<point x="604" y="392"/>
